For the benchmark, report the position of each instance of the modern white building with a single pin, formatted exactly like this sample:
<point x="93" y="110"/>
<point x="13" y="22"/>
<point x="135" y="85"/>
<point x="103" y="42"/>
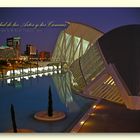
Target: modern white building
<point x="110" y="68"/>
<point x="73" y="42"/>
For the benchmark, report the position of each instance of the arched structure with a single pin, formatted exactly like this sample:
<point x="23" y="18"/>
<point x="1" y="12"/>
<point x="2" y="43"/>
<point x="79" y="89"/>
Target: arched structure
<point x="73" y="42"/>
<point x="110" y="69"/>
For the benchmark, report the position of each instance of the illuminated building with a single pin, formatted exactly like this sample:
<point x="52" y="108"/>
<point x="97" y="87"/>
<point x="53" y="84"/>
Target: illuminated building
<point x="110" y="68"/>
<point x="30" y="51"/>
<point x="73" y="42"/>
<point x="7" y="53"/>
<point x="43" y="55"/>
<point x="15" y="43"/>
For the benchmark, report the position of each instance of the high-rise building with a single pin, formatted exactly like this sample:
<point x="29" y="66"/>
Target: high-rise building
<point x="15" y="43"/>
<point x="31" y="51"/>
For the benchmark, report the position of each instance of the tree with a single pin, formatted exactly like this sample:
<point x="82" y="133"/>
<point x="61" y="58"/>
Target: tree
<point x="13" y="119"/>
<point x="50" y="103"/>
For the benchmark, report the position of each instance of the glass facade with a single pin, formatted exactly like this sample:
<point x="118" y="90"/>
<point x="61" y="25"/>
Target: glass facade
<point x="92" y="63"/>
<point x="88" y="66"/>
<point x="69" y="48"/>
<point x="78" y="48"/>
<point x="86" y="70"/>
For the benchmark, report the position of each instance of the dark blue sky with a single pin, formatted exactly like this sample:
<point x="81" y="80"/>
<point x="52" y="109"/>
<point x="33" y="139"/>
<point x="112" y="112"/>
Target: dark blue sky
<point x="104" y="19"/>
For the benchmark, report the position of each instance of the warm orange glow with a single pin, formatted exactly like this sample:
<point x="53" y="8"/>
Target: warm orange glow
<point x="92" y="114"/>
<point x="100" y="107"/>
<point x="112" y="83"/>
<point x="94" y="106"/>
<point x="82" y="122"/>
<point x="108" y="79"/>
<point x="89" y="123"/>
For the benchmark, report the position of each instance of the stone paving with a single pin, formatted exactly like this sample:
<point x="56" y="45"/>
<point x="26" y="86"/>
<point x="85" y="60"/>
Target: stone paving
<point x="112" y="117"/>
<point x="85" y="117"/>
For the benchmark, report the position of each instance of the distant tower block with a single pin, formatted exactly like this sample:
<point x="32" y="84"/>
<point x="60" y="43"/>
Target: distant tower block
<point x="15" y="43"/>
<point x="31" y="51"/>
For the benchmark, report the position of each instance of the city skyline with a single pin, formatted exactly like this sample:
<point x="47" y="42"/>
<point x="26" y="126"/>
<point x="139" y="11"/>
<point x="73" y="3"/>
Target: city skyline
<point x="89" y="83"/>
<point x="45" y="37"/>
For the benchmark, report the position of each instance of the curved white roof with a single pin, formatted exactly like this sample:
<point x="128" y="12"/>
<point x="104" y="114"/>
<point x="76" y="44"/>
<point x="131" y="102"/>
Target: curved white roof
<point x="86" y="32"/>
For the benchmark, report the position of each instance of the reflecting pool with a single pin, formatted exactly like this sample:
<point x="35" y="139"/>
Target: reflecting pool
<point x="30" y="95"/>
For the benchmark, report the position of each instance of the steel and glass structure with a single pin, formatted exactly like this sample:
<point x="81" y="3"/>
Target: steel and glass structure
<point x="74" y="41"/>
<point x="110" y="69"/>
<point x="103" y="65"/>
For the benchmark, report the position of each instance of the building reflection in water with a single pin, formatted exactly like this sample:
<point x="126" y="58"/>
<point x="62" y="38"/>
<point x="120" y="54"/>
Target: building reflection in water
<point x="63" y="86"/>
<point x="62" y="81"/>
<point x="17" y="81"/>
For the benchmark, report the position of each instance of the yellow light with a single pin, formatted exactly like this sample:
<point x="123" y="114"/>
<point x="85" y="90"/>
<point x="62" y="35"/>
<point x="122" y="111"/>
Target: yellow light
<point x="92" y="78"/>
<point x="82" y="122"/>
<point x="92" y="114"/>
<point x="108" y="79"/>
<point x="94" y="106"/>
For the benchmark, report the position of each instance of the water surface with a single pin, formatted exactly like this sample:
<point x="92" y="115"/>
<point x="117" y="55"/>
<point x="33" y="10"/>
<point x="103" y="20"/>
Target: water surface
<point x="31" y="96"/>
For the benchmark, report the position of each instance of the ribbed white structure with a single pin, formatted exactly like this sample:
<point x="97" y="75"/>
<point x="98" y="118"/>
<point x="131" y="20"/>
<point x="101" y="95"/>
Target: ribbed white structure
<point x="73" y="42"/>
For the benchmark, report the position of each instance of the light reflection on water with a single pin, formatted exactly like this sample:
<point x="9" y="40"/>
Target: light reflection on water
<point x="30" y="95"/>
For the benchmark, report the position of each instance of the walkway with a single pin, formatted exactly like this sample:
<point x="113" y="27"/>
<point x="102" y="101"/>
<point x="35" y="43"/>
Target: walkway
<point x="112" y="117"/>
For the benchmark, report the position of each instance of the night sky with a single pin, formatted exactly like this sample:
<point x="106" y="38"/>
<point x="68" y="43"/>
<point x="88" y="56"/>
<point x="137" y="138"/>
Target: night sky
<point x="104" y="19"/>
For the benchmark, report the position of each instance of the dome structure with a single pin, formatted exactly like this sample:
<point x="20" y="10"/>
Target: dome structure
<point x="121" y="47"/>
